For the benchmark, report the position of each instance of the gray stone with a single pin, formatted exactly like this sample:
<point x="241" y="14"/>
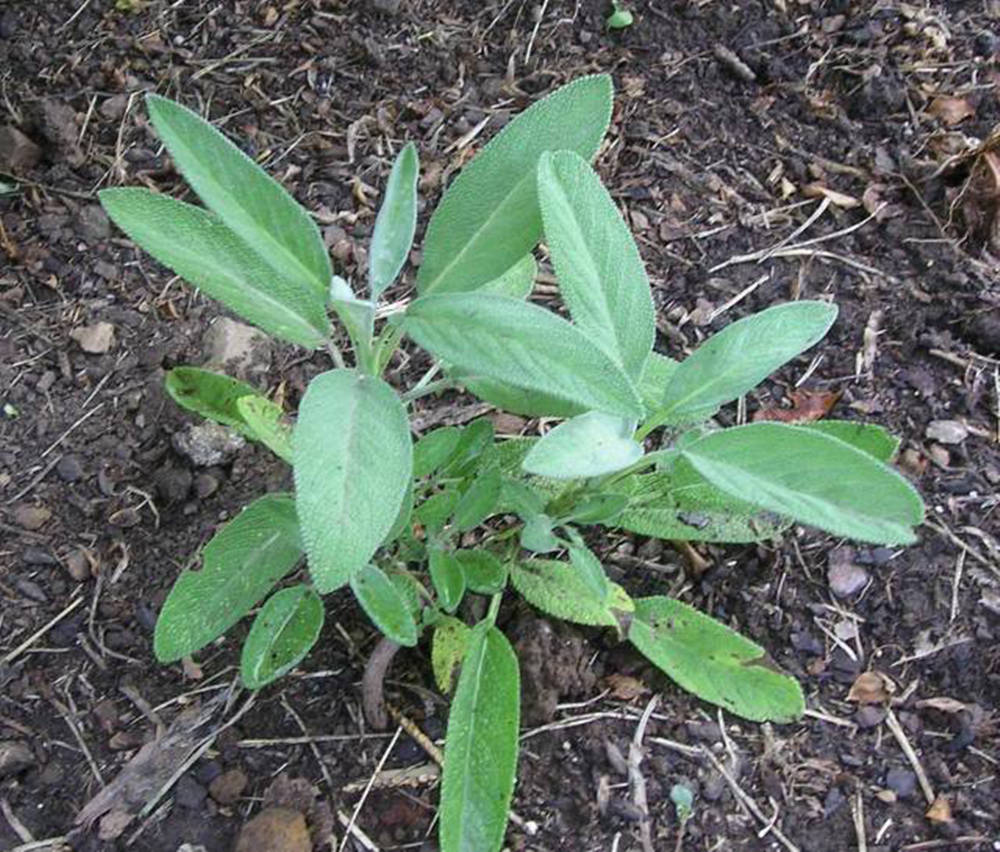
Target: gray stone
<point x="237" y="349"/>
<point x="901" y="781"/>
<point x="15" y="756"/>
<point x="69" y="469"/>
<point x="18" y="154"/>
<point x="94" y="223"/>
<point x="208" y="443"/>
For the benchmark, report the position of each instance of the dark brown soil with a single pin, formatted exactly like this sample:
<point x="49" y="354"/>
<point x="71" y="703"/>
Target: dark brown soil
<point x="713" y="159"/>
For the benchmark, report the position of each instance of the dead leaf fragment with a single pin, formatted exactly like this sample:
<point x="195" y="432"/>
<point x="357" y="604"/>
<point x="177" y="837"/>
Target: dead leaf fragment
<point x="951" y="111"/>
<point x="275" y="830"/>
<point x="940" y="810"/>
<point x="625" y="687"/>
<point x="942" y="703"/>
<point x="807" y="406"/>
<point x="840" y="199"/>
<point x="96" y="339"/>
<point x="871" y="688"/>
<point x="947" y="431"/>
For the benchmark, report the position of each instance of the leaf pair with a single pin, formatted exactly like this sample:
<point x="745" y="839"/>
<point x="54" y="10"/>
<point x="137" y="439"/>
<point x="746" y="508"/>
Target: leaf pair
<point x="255" y="249"/>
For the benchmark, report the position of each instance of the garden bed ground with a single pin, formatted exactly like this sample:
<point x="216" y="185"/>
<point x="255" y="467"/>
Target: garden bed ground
<point x="846" y="135"/>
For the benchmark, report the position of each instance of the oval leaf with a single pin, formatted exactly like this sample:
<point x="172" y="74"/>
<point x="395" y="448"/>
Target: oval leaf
<point x="524" y="345"/>
<point x="478" y="502"/>
<point x="284" y="630"/>
<point x="484" y="573"/>
<point x="384" y="604"/>
<point x="352" y="457"/>
<point x="868" y="437"/>
<point x="517" y="282"/>
<point x="240" y="565"/>
<point x="250" y="202"/>
<point x="489" y="217"/>
<point x="203" y="251"/>
<point x="601" y="276"/>
<point x="560" y="589"/>
<point x="591" y="444"/>
<point x="740" y="357"/>
<point x="448" y="647"/>
<point x="810" y="477"/>
<point x="212" y="395"/>
<point x="480" y="753"/>
<point x="705" y="657"/>
<point x="266" y="423"/>
<point x="396" y="222"/>
<point x="448" y="578"/>
<point x="434" y="449"/>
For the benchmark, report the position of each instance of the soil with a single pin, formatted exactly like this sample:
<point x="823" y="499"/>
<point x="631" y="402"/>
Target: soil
<point x="852" y="138"/>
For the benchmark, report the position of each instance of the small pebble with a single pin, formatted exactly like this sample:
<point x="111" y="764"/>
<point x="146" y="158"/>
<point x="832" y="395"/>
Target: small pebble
<point x="869" y="716"/>
<point x="37" y="556"/>
<point x="15" y="756"/>
<point x="31" y="517"/>
<point x="947" y="431"/>
<point x="31" y="590"/>
<point x="69" y="469"/>
<point x="205" y="485"/>
<point x="189" y="793"/>
<point x="844" y="576"/>
<point x="901" y="781"/>
<point x="228" y="787"/>
<point x="78" y="566"/>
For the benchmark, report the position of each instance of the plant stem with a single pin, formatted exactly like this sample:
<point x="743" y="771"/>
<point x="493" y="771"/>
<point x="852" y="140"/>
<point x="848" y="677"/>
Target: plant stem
<point x="494" y="607"/>
<point x="431" y="387"/>
<point x="338" y="359"/>
<point x="435" y="368"/>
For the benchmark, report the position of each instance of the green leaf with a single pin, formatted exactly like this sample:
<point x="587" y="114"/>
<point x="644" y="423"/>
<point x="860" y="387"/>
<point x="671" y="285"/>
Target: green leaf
<point x="715" y="663"/>
<point x="284" y="630"/>
<point x="212" y="395"/>
<point x="489" y="217"/>
<point x="480" y="753"/>
<point x="600" y="272"/>
<point x="656" y="375"/>
<point x="520" y="498"/>
<point x="588" y="567"/>
<point x="396" y="222"/>
<point x="358" y="317"/>
<point x="681" y="505"/>
<point x="250" y="203"/>
<point x="597" y="508"/>
<point x="523" y="345"/>
<point x="515" y="400"/>
<point x="517" y="282"/>
<point x="810" y="477"/>
<point x="619" y="19"/>
<point x="559" y="589"/>
<point x="868" y="437"/>
<point x="434" y="449"/>
<point x="433" y="512"/>
<point x="240" y="565"/>
<point x="352" y="458"/>
<point x="385" y="606"/>
<point x="484" y="573"/>
<point x="741" y="356"/>
<point x="590" y="444"/>
<point x="476" y="439"/>
<point x="537" y="535"/>
<point x="448" y="647"/>
<point x="265" y="422"/>
<point x="402" y="522"/>
<point x="479" y="502"/>
<point x="203" y="251"/>
<point x="447" y="577"/>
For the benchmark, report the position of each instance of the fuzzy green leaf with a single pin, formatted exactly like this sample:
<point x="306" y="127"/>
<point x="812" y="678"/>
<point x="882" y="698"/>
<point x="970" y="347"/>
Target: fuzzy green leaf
<point x="384" y="605"/>
<point x="448" y="647"/>
<point x="480" y="753"/>
<point x="434" y="449"/>
<point x="811" y="477"/>
<point x="601" y="276"/>
<point x="212" y="395"/>
<point x="523" y="345"/>
<point x="352" y="457"/>
<point x="868" y="437"/>
<point x="590" y="444"/>
<point x="240" y="565"/>
<point x="484" y="573"/>
<point x="205" y="252"/>
<point x="250" y="202"/>
<point x="447" y="577"/>
<point x="537" y="534"/>
<point x="656" y="375"/>
<point x="489" y="217"/>
<point x="284" y="630"/>
<point x="517" y="282"/>
<point x="741" y="356"/>
<point x="560" y="589"/>
<point x="714" y="662"/>
<point x="478" y="502"/>
<point x="396" y="222"/>
<point x="266" y="423"/>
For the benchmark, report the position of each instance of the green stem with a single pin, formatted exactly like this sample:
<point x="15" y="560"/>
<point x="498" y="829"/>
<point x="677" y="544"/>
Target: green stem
<point x="428" y="389"/>
<point x="338" y="359"/>
<point x="494" y="607"/>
